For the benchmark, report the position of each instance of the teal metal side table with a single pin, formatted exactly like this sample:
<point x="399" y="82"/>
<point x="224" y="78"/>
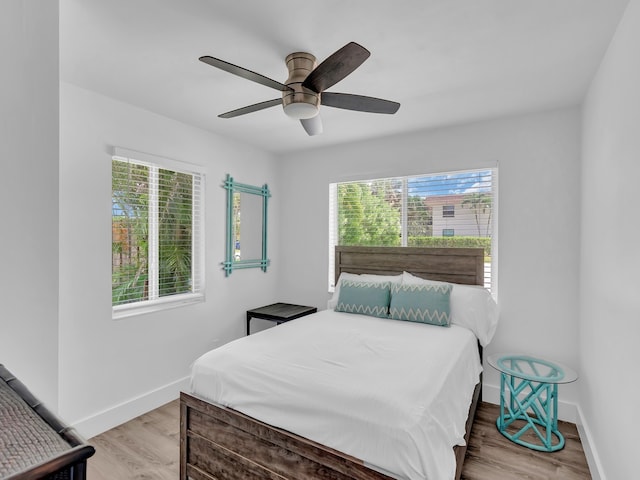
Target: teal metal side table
<point x="529" y="400"/>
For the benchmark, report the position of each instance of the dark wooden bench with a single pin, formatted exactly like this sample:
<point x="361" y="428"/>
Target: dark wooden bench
<point x="34" y="443"/>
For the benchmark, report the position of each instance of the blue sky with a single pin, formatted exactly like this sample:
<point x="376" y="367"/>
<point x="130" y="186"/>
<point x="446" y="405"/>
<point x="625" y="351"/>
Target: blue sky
<point x="450" y="184"/>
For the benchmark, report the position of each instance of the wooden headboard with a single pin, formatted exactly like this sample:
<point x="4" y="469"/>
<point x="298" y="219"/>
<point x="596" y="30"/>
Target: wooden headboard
<point x="456" y="265"/>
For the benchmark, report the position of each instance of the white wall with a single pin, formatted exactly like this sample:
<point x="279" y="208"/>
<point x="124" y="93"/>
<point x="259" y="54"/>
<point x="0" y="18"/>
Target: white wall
<point x="113" y="370"/>
<point x="29" y="193"/>
<point x="106" y="371"/>
<point x="610" y="257"/>
<point x="539" y="164"/>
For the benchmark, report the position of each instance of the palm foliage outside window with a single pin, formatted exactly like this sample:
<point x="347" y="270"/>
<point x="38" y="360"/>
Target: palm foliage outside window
<point x="155" y="232"/>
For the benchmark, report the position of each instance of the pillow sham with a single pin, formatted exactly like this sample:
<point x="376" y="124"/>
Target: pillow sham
<point x="364" y="298"/>
<point x="424" y="303"/>
<point x="365" y="277"/>
<point x="472" y="307"/>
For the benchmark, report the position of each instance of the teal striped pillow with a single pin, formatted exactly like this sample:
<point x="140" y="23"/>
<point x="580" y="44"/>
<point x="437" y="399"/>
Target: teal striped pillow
<point x="365" y="298"/>
<point x="425" y="303"/>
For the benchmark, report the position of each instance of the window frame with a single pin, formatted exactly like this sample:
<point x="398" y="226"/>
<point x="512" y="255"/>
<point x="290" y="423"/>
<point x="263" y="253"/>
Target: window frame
<point x="491" y="274"/>
<point x="448" y="211"/>
<point x="158" y="303"/>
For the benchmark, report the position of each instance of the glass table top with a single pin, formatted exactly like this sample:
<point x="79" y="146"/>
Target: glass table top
<point x="531" y="368"/>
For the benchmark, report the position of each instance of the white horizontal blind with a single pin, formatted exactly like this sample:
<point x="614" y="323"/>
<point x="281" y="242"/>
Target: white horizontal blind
<point x="454" y="209"/>
<point x="156" y="232"/>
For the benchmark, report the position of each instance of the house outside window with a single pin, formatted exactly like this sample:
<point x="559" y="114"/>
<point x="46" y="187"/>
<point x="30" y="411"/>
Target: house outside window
<point x="157" y="234"/>
<point x="405" y="211"/>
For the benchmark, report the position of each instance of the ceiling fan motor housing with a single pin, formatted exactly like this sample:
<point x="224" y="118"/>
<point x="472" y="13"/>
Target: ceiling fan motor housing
<point x="300" y="103"/>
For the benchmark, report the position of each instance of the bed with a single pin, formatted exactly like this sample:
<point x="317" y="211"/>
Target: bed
<point x="219" y="442"/>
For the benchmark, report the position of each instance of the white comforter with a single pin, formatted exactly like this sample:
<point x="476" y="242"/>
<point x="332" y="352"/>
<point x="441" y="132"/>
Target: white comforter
<point x="394" y="394"/>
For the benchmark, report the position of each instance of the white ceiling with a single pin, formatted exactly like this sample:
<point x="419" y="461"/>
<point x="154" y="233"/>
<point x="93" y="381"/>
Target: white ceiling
<point x="445" y="61"/>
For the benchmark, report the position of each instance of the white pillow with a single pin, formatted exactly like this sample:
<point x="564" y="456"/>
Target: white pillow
<point x="365" y="277"/>
<point x="472" y="307"/>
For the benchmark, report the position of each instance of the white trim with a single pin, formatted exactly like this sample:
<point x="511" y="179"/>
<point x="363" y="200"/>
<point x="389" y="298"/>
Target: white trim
<point x="589" y="447"/>
<point x="112" y="417"/>
<point x="125" y="154"/>
<point x="156" y="303"/>
<point x="154" y="228"/>
<point x="148" y="306"/>
<point x="495" y="220"/>
<point x="403" y="212"/>
<point x="567" y="411"/>
<point x="333" y="232"/>
<point x="198" y="278"/>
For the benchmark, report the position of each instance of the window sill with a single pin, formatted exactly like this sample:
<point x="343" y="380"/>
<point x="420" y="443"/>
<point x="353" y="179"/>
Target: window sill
<point x="141" y="308"/>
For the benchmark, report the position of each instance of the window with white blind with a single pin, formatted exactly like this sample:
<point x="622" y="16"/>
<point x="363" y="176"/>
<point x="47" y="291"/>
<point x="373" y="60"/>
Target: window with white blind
<point x="454" y="209"/>
<point x="157" y="233"/>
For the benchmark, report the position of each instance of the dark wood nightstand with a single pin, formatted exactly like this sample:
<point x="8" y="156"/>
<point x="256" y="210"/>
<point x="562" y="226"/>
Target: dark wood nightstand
<point x="279" y="313"/>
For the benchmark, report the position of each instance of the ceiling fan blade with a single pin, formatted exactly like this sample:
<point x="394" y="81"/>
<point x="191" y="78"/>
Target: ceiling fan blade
<point x="336" y="67"/>
<point x="313" y="125"/>
<point x="244" y="73"/>
<point x="359" y="103"/>
<point x="251" y="108"/>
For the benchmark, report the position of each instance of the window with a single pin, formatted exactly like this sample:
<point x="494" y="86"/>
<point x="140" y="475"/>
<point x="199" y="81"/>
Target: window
<point x="448" y="211"/>
<point x="156" y="225"/>
<point x="405" y="211"/>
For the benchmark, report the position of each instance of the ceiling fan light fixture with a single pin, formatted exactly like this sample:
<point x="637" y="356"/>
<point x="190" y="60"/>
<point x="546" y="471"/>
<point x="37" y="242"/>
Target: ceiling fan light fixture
<point x="298" y="102"/>
<point x="305" y="85"/>
<point x="301" y="110"/>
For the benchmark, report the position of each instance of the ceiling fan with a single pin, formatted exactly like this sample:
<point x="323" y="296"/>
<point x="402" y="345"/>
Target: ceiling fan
<point x="304" y="91"/>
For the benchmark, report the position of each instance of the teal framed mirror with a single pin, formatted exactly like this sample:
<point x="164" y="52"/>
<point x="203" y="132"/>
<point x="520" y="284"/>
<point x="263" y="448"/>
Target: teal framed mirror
<point x="246" y="245"/>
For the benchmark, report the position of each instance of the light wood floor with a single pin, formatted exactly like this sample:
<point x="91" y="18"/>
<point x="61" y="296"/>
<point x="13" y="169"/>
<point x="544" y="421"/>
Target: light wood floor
<point x="147" y="448"/>
<point x="490" y="456"/>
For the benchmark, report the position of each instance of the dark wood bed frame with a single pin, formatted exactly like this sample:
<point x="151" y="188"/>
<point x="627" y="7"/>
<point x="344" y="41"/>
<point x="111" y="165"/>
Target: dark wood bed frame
<point x="221" y="443"/>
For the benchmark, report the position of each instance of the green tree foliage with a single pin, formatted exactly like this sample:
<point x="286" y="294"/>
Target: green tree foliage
<point x="419" y="217"/>
<point x="366" y="216"/>
<point x="130" y="232"/>
<point x="175" y="229"/>
<point x="480" y="203"/>
<point x="453" y="242"/>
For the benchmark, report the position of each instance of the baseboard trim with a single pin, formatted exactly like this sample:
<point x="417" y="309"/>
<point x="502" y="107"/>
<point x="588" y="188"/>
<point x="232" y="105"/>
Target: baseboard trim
<point x="593" y="460"/>
<point x="567" y="411"/>
<point x="112" y="417"/>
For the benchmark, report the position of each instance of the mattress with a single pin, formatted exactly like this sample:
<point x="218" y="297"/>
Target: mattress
<point x="394" y="394"/>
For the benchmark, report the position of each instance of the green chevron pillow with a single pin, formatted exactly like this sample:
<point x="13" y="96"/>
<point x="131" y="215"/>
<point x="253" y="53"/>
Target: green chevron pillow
<point x="365" y="298"/>
<point x="425" y="303"/>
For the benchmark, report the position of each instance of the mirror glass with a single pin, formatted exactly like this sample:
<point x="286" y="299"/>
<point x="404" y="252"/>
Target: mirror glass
<point x="246" y="226"/>
<point x="247" y="223"/>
